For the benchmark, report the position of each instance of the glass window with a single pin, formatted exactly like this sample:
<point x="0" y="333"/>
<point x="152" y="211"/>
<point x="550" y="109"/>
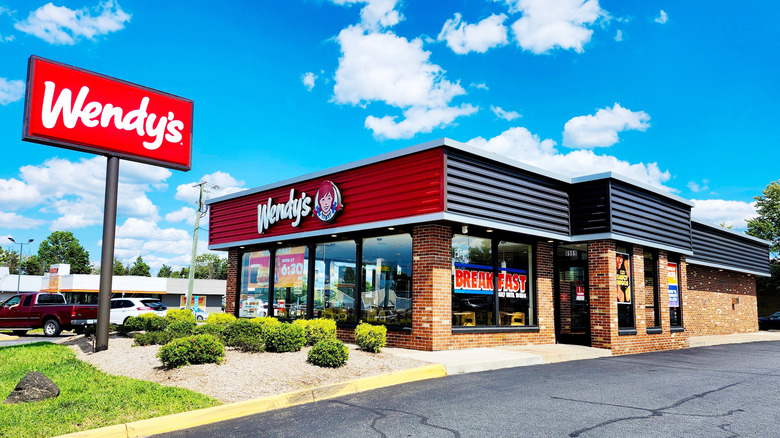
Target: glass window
<point x="652" y="307"/>
<point x="334" y="281"/>
<point x="514" y="294"/>
<point x="13" y="301"/>
<point x="625" y="297"/>
<point x="472" y="270"/>
<point x="253" y="296"/>
<point x="387" y="279"/>
<point x="291" y="267"/>
<point x="675" y="299"/>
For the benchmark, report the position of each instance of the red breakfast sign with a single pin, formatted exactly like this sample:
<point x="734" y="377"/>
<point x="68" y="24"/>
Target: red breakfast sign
<point x="78" y="109"/>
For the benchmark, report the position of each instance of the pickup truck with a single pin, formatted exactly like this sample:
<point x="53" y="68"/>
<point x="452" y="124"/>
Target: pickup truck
<point x="49" y="311"/>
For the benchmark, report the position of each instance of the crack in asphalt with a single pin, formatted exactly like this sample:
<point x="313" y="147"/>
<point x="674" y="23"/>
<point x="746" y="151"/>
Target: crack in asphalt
<point x="658" y="412"/>
<point x="713" y="370"/>
<point x="380" y="415"/>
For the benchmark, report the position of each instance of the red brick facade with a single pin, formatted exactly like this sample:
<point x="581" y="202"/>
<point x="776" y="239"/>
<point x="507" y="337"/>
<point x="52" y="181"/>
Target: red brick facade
<point x="232" y="282"/>
<point x="719" y="302"/>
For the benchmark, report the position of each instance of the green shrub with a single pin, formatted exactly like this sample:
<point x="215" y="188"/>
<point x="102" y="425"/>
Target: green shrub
<point x="212" y="329"/>
<point x="151" y="322"/>
<point x="252" y="344"/>
<point x="91" y="330"/>
<point x="180" y="328"/>
<point x="132" y="324"/>
<point x="241" y="328"/>
<point x="221" y="319"/>
<point x="284" y="338"/>
<point x="371" y="337"/>
<point x="328" y="353"/>
<point x="152" y="338"/>
<point x="180" y="315"/>
<point x="319" y="329"/>
<point x="265" y="320"/>
<point x="144" y="339"/>
<point x="192" y="350"/>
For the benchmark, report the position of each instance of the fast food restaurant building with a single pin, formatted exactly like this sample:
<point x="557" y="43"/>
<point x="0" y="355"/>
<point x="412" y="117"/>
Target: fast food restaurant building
<point x="453" y="247"/>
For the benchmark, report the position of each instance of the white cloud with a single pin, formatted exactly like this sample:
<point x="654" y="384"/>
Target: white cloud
<point x="662" y="17"/>
<point x="547" y="24"/>
<point x="463" y="38"/>
<point x="60" y="25"/>
<point x="13" y="220"/>
<point x="224" y="182"/>
<point x="376" y="14"/>
<point x="602" y="129"/>
<point x="11" y="91"/>
<point x="384" y="67"/>
<point x="7" y="39"/>
<point x="308" y="80"/>
<point x="619" y="35"/>
<point x="502" y="114"/>
<point x="696" y="187"/>
<point x="156" y="245"/>
<point x="520" y="144"/>
<point x="480" y="86"/>
<point x="184" y="214"/>
<point x="718" y="211"/>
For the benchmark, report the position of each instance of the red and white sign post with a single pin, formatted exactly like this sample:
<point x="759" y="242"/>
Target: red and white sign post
<point x="85" y="111"/>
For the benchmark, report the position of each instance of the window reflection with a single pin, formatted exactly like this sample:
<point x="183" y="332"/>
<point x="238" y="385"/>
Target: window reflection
<point x="334" y="281"/>
<point x="291" y="267"/>
<point x="253" y="296"/>
<point x="387" y="276"/>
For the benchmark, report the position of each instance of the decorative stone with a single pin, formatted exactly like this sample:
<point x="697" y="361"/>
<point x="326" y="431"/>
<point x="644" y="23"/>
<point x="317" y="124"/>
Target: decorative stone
<point x="33" y="387"/>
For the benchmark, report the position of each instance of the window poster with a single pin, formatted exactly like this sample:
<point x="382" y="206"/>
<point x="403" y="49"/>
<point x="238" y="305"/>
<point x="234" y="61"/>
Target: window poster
<point x="674" y="292"/>
<point x="623" y="277"/>
<point x="259" y="263"/>
<point x="290" y="267"/>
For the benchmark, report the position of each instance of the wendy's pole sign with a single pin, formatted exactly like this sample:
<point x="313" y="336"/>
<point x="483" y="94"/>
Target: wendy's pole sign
<point x="77" y="109"/>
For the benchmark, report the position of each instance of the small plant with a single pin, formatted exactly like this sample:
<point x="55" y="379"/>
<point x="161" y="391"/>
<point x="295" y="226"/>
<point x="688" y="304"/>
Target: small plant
<point x="151" y="322"/>
<point x="180" y="315"/>
<point x="284" y="338"/>
<point x="180" y="328"/>
<point x="152" y="338"/>
<point x="132" y="324"/>
<point x="91" y="330"/>
<point x="143" y="339"/>
<point x="192" y="350"/>
<point x="212" y="329"/>
<point x="221" y="319"/>
<point x="318" y="329"/>
<point x="251" y="344"/>
<point x="241" y="329"/>
<point x="265" y="321"/>
<point x="330" y="353"/>
<point x="371" y="337"/>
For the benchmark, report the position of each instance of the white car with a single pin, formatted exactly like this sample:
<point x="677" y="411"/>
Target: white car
<point x="200" y="314"/>
<point x="123" y="308"/>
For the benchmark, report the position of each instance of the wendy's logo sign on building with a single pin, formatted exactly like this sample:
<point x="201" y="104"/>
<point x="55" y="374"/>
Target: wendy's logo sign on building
<point x="327" y="204"/>
<point x="78" y="109"/>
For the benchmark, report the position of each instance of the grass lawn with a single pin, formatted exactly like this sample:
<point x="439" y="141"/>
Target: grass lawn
<point x="88" y="397"/>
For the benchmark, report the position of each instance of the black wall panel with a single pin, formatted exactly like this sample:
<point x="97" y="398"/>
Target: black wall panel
<point x="711" y="245"/>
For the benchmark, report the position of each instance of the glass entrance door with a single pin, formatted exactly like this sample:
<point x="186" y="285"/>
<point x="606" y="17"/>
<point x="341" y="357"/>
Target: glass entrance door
<point x="572" y="307"/>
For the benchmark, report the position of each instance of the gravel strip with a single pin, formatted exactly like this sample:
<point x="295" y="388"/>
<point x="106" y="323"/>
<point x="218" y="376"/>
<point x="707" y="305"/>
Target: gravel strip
<point x="241" y="376"/>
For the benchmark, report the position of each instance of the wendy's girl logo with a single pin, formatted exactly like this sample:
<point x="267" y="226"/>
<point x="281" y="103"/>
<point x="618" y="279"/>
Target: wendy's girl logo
<point x="327" y="203"/>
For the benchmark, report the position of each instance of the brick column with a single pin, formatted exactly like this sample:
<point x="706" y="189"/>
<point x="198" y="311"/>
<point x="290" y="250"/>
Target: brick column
<point x="432" y="287"/>
<point x="232" y="281"/>
<point x="603" y="295"/>
<point x="639" y="295"/>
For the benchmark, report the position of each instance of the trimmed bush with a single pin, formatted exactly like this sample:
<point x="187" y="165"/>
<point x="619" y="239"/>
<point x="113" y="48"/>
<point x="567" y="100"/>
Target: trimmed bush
<point x="143" y="339"/>
<point x="180" y="315"/>
<point x="152" y="338"/>
<point x="241" y="328"/>
<point x="132" y="324"/>
<point x="180" y="328"/>
<point x="371" y="337"/>
<point x="192" y="350"/>
<point x="265" y="320"/>
<point x="151" y="322"/>
<point x="212" y="329"/>
<point x="317" y="329"/>
<point x="284" y="338"/>
<point x="251" y="344"/>
<point x="221" y="319"/>
<point x="330" y="353"/>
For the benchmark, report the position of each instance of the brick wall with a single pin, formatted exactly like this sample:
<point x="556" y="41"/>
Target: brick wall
<point x="232" y="281"/>
<point x="719" y="302"/>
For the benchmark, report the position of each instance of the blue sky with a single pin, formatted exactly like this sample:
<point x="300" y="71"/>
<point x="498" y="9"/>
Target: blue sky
<point x="678" y="95"/>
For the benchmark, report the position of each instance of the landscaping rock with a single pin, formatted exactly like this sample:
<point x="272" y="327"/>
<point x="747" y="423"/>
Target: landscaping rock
<point x="33" y="387"/>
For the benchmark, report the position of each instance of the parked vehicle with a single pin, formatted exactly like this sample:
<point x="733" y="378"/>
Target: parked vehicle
<point x="50" y="311"/>
<point x="200" y="314"/>
<point x="123" y="308"/>
<point x="769" y="322"/>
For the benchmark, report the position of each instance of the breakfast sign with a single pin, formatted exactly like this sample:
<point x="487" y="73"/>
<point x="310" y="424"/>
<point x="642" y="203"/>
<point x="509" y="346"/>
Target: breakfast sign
<point x="73" y="108"/>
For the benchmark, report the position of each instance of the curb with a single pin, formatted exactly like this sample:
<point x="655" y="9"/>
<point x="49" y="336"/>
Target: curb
<point x="8" y="338"/>
<point x="186" y="420"/>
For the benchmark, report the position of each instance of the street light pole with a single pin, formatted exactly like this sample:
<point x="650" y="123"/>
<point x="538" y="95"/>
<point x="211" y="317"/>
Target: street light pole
<point x="19" y="268"/>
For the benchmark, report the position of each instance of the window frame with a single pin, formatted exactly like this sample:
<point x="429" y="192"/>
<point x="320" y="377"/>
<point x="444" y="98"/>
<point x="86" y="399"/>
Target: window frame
<point x="631" y="306"/>
<point x="656" y="328"/>
<point x="676" y="259"/>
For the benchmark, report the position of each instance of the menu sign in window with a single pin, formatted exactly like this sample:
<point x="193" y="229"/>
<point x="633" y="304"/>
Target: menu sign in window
<point x="478" y="279"/>
<point x="674" y="292"/>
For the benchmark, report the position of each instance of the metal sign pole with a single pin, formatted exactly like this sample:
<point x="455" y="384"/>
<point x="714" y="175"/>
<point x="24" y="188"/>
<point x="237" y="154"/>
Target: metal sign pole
<point x="107" y="254"/>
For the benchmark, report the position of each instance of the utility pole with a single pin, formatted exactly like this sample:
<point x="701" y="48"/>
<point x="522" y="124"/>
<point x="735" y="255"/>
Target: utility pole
<point x="199" y="213"/>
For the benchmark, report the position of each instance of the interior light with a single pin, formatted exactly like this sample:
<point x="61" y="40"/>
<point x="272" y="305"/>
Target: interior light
<point x="334" y="235"/>
<point x="391" y="228"/>
<point x="489" y="230"/>
<point x="465" y="229"/>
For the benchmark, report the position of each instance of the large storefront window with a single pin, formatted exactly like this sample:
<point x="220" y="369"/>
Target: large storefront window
<point x="675" y="299"/>
<point x="334" y="281"/>
<point x="625" y="293"/>
<point x="478" y="281"/>
<point x="253" y="296"/>
<point x="291" y="267"/>
<point x="387" y="278"/>
<point x="652" y="307"/>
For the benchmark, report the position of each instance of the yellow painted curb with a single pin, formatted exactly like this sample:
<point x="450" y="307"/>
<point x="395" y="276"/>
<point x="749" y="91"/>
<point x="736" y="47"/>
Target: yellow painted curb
<point x="186" y="420"/>
<point x="8" y="338"/>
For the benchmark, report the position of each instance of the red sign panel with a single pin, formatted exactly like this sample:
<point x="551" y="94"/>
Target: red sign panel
<point x="78" y="109"/>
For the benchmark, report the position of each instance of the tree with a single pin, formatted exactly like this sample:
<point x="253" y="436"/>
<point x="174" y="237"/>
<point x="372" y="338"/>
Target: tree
<point x="10" y="258"/>
<point x="139" y="268"/>
<point x="165" y="271"/>
<point x="119" y="268"/>
<point x="767" y="224"/>
<point x="32" y="266"/>
<point x="63" y="247"/>
<point x="210" y="266"/>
